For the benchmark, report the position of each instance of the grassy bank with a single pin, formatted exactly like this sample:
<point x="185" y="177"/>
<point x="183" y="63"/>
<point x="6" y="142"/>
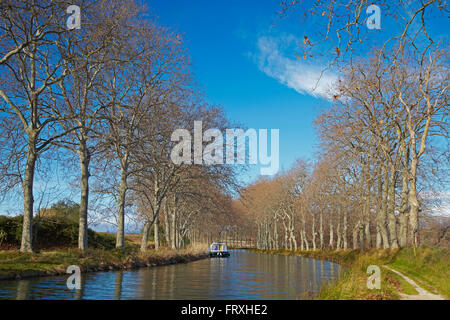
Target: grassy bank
<point x="55" y="239"/>
<point x="429" y="267"/>
<point x="16" y="265"/>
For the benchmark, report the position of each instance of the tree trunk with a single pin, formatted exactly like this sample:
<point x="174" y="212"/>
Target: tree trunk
<point x="379" y="239"/>
<point x="120" y="236"/>
<point x="313" y="228"/>
<point x="367" y="234"/>
<point x="304" y="232"/>
<point x="156" y="233"/>
<point x="167" y="223"/>
<point x="367" y="218"/>
<point x="344" y="231"/>
<point x="258" y="237"/>
<point x="331" y="244"/>
<point x="355" y="235"/>
<point x="392" y="220"/>
<point x="294" y="241"/>
<point x="321" y="229"/>
<point x="275" y="235"/>
<point x="302" y="240"/>
<point x="174" y="228"/>
<point x="26" y="244"/>
<point x="306" y="240"/>
<point x="145" y="233"/>
<point x="403" y="218"/>
<point x="286" y="238"/>
<point x="84" y="201"/>
<point x="338" y="231"/>
<point x="361" y="236"/>
<point x="381" y="217"/>
<point x="414" y="205"/>
<point x="403" y="211"/>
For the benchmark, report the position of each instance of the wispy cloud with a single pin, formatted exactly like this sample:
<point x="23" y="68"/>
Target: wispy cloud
<point x="303" y="77"/>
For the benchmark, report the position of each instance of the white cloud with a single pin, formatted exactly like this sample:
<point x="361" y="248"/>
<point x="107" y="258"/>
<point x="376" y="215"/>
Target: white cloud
<point x="297" y="74"/>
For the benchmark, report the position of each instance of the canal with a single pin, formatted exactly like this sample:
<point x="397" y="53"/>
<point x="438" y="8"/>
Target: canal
<point x="244" y="275"/>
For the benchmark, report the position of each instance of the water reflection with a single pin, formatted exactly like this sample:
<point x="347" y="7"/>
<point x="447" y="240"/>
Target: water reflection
<point x="245" y="275"/>
<point x="118" y="285"/>
<point x="23" y="288"/>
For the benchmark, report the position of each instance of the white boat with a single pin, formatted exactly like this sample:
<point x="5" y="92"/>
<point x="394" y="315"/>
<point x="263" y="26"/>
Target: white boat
<point x="218" y="249"/>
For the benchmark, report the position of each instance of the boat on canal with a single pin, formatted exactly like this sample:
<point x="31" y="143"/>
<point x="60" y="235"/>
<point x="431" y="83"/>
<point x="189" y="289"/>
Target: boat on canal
<point x="218" y="249"/>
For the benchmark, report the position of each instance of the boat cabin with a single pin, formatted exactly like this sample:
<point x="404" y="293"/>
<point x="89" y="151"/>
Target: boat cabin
<point x="218" y="249"/>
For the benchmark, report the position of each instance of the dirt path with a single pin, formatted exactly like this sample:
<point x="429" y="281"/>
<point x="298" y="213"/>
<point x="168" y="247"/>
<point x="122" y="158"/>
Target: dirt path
<point x="423" y="294"/>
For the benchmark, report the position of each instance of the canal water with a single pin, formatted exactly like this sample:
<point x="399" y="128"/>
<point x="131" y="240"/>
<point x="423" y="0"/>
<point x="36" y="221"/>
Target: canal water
<point x="244" y="275"/>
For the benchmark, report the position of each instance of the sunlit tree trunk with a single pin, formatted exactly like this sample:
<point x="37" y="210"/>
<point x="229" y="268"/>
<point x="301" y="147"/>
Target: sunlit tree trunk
<point x="292" y="234"/>
<point x="403" y="218"/>
<point x="121" y="198"/>
<point x="275" y="235"/>
<point x="321" y="238"/>
<point x="26" y="244"/>
<point x="286" y="235"/>
<point x="145" y="234"/>
<point x="83" y="213"/>
<point x="167" y="233"/>
<point x="413" y="204"/>
<point x="338" y="231"/>
<point x="305" y="239"/>
<point x="392" y="220"/>
<point x="382" y="214"/>
<point x="344" y="230"/>
<point x="156" y="232"/>
<point x="361" y="236"/>
<point x="313" y="229"/>
<point x="331" y="244"/>
<point x="367" y="234"/>
<point x="302" y="240"/>
<point x="355" y="233"/>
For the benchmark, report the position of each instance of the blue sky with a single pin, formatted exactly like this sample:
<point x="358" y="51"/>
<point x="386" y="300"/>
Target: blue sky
<point x="245" y="59"/>
<point x="231" y="43"/>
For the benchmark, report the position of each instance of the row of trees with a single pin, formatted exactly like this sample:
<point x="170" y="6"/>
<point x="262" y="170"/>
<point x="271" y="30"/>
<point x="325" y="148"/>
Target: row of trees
<point x="384" y="139"/>
<point x="105" y="99"/>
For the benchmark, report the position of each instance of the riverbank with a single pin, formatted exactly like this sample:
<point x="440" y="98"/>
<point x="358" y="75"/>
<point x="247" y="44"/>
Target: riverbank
<point x="429" y="267"/>
<point x="16" y="265"/>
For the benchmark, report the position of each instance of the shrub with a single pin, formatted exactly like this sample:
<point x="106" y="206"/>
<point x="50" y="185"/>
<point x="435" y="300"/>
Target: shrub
<point x="2" y="236"/>
<point x="52" y="231"/>
<point x="11" y="228"/>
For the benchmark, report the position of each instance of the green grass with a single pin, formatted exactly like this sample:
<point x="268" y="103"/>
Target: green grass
<point x="353" y="283"/>
<point x="429" y="268"/>
<point x="352" y="286"/>
<point x="403" y="286"/>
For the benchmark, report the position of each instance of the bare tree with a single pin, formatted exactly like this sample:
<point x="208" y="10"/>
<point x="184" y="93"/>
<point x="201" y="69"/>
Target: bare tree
<point x="149" y="66"/>
<point x="30" y="60"/>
